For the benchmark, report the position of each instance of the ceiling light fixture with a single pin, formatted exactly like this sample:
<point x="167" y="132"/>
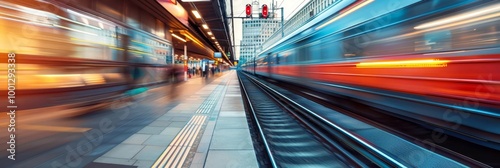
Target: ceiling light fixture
<point x="205" y="26"/>
<point x="178" y="37"/>
<point x="196" y="14"/>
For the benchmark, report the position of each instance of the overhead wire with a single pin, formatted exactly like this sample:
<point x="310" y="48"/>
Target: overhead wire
<point x="281" y="2"/>
<point x="295" y="8"/>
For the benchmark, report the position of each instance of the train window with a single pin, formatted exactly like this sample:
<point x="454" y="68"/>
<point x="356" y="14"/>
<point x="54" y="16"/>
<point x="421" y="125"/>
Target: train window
<point x="292" y="56"/>
<point x="434" y="41"/>
<point x="132" y="17"/>
<point x="277" y="56"/>
<point x="379" y="42"/>
<point x="332" y="51"/>
<point x="271" y="59"/>
<point x="148" y="22"/>
<point x="109" y="7"/>
<point x="281" y="58"/>
<point x="352" y="47"/>
<point x="314" y="51"/>
<point x="160" y="29"/>
<point x="303" y="55"/>
<point x="485" y="34"/>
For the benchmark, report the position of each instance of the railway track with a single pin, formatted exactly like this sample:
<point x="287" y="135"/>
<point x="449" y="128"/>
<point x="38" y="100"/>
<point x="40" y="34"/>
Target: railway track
<point x="286" y="141"/>
<point x="291" y="139"/>
<point x="293" y="134"/>
<point x="430" y="136"/>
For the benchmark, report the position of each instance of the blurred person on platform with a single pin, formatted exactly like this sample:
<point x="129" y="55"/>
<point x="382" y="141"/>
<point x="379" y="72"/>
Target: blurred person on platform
<point x="133" y="73"/>
<point x="213" y="70"/>
<point x="177" y="74"/>
<point x="205" y="71"/>
<point x="200" y="72"/>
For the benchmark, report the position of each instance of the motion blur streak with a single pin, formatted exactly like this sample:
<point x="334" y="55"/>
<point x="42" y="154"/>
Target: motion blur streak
<point x="347" y="11"/>
<point x="176" y="36"/>
<point x="460" y="17"/>
<point x="403" y="64"/>
<point x="83" y="58"/>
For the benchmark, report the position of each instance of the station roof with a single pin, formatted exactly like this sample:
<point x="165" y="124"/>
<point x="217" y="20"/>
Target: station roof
<point x="201" y="44"/>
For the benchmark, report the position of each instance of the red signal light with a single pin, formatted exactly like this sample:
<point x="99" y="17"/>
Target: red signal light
<point x="248" y="10"/>
<point x="265" y="11"/>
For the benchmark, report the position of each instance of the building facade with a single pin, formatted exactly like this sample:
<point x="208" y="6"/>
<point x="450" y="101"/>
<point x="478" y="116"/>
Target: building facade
<point x="255" y="32"/>
<point x="312" y="9"/>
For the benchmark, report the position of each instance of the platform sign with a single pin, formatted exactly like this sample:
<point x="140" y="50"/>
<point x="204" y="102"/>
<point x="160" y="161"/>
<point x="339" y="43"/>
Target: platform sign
<point x="217" y="55"/>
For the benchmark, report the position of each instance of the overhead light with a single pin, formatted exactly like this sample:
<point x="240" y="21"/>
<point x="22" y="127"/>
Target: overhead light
<point x="481" y="13"/>
<point x="205" y="26"/>
<point x="351" y="9"/>
<point x="209" y="33"/>
<point x="85" y="20"/>
<point x="81" y="31"/>
<point x="178" y="37"/>
<point x="213" y="37"/>
<point x="196" y="14"/>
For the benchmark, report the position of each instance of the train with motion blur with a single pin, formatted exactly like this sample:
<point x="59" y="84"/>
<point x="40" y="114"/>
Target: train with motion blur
<point x="77" y="53"/>
<point x="428" y="61"/>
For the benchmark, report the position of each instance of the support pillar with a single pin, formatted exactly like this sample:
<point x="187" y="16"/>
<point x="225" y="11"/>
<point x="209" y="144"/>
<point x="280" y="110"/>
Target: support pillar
<point x="185" y="62"/>
<point x="282" y="22"/>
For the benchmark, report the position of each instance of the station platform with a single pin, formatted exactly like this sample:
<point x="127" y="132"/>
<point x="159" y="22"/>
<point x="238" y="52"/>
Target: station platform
<point x="205" y="129"/>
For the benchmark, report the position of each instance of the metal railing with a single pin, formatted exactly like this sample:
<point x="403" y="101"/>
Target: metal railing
<point x="303" y="16"/>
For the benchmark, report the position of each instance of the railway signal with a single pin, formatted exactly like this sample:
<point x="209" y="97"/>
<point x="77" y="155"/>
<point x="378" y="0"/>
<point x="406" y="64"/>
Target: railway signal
<point x="248" y="10"/>
<point x="265" y="12"/>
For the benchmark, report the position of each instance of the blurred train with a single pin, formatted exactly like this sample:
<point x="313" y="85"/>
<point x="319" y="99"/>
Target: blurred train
<point x="80" y="53"/>
<point x="429" y="61"/>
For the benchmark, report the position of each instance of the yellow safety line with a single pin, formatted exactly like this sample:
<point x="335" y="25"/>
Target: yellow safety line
<point x="167" y="151"/>
<point x="186" y="146"/>
<point x="52" y="128"/>
<point x="178" y="149"/>
<point x="182" y="143"/>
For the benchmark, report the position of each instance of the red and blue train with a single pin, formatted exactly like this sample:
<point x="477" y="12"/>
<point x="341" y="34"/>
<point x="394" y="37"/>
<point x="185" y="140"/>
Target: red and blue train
<point x="431" y="61"/>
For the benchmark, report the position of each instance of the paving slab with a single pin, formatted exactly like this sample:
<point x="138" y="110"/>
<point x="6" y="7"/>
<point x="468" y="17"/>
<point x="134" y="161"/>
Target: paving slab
<point x="115" y="161"/>
<point x="137" y="139"/>
<point x="124" y="151"/>
<point x="231" y="159"/>
<point x="231" y="139"/>
<point x="232" y="114"/>
<point x="151" y="130"/>
<point x="159" y="140"/>
<point x="149" y="153"/>
<point x="231" y="122"/>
